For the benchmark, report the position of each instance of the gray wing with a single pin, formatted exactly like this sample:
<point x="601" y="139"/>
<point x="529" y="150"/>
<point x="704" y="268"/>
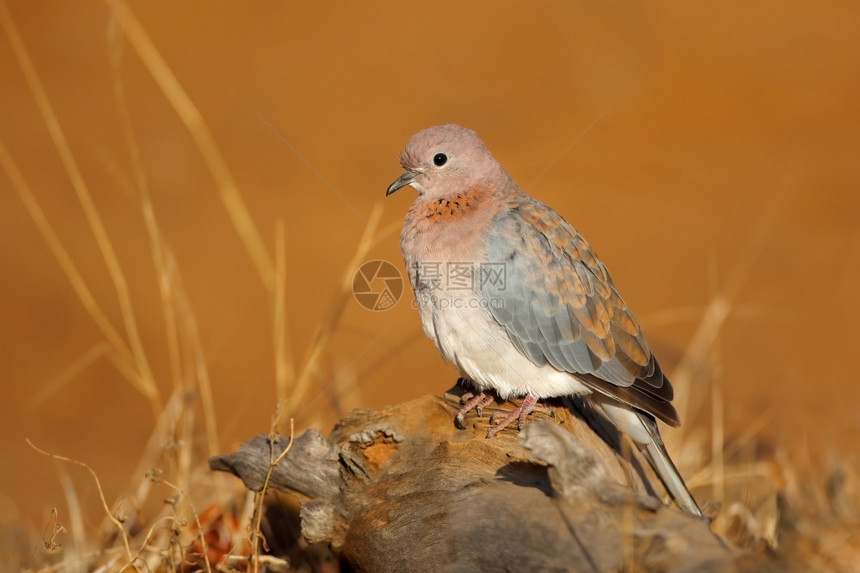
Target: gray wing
<point x="556" y="301"/>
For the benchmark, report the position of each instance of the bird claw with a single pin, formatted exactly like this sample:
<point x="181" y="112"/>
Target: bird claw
<point x="529" y="404"/>
<point x="470" y="402"/>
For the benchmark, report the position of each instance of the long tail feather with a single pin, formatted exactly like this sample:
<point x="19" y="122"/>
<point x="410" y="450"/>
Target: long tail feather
<point x="642" y="429"/>
<point x="656" y="454"/>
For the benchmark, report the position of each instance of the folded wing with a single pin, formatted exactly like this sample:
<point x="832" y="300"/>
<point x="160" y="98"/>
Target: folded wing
<point x="557" y="303"/>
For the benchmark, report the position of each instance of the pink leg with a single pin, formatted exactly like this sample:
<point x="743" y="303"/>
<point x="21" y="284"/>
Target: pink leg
<point x="474" y="401"/>
<point x="519" y="414"/>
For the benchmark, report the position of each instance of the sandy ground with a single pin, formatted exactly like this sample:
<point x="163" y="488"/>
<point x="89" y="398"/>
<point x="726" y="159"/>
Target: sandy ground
<point x="721" y="161"/>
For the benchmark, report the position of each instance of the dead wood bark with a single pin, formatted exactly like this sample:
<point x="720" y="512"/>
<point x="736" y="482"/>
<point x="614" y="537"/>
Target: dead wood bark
<point x="402" y="489"/>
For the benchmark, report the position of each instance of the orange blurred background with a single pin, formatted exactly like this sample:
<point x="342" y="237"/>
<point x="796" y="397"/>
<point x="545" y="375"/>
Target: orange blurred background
<point x="722" y="160"/>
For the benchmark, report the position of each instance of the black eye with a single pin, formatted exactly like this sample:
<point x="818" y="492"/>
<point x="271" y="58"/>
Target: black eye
<point x="440" y="159"/>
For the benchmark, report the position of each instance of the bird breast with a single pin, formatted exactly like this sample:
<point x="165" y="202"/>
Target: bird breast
<point x="444" y="247"/>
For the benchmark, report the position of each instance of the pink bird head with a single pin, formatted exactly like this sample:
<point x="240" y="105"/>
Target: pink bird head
<point x="446" y="160"/>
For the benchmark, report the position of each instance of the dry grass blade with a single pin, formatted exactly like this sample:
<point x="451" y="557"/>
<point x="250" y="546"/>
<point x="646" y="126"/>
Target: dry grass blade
<point x="113" y="519"/>
<point x="193" y="120"/>
<point x="180" y="324"/>
<point x="150" y="534"/>
<point x="319" y="175"/>
<point x="749" y="433"/>
<point x="706" y="474"/>
<point x="366" y="373"/>
<point x="121" y="352"/>
<point x="732" y="473"/>
<point x="333" y="318"/>
<point x="347" y="368"/>
<point x="75" y="515"/>
<point x="146" y="381"/>
<point x="324" y="332"/>
<point x="257" y="517"/>
<point x="154" y="448"/>
<point x="156" y="240"/>
<point x="78" y="366"/>
<point x="170" y="291"/>
<point x="718" y="431"/>
<point x="566" y="149"/>
<point x="696" y="353"/>
<point x="284" y="367"/>
<point x="200" y="529"/>
<point x="191" y="333"/>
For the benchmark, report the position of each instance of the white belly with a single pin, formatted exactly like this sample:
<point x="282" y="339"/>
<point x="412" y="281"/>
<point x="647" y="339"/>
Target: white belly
<point x="468" y="337"/>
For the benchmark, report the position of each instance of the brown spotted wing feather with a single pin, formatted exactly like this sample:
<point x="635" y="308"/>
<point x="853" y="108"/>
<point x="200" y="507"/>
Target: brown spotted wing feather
<point x="559" y="307"/>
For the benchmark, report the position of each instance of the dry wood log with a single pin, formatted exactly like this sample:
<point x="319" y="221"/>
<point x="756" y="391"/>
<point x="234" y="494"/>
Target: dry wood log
<point x="402" y="489"/>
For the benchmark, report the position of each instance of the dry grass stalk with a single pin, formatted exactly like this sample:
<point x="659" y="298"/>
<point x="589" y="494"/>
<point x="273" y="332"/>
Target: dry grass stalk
<point x="76" y="515"/>
<point x="179" y="320"/>
<point x="121" y="352"/>
<point x="71" y="372"/>
<point x="143" y="379"/>
<point x="193" y="121"/>
<point x="696" y="353"/>
<point x="117" y="524"/>
<point x="256" y="535"/>
<point x="200" y="528"/>
<point x="186" y="366"/>
<point x="285" y="373"/>
<point x="324" y="331"/>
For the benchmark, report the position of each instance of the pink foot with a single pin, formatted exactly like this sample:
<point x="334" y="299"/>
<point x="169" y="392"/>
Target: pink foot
<point x="473" y="402"/>
<point x="530" y="403"/>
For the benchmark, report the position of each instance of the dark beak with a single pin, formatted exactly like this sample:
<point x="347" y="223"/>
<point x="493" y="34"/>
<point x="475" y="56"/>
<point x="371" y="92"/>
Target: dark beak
<point x="402" y="181"/>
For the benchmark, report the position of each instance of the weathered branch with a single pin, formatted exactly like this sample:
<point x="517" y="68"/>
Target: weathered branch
<point x="402" y="489"/>
<point x="310" y="468"/>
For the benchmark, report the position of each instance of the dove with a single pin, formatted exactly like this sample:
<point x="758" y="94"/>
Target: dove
<point x="519" y="303"/>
